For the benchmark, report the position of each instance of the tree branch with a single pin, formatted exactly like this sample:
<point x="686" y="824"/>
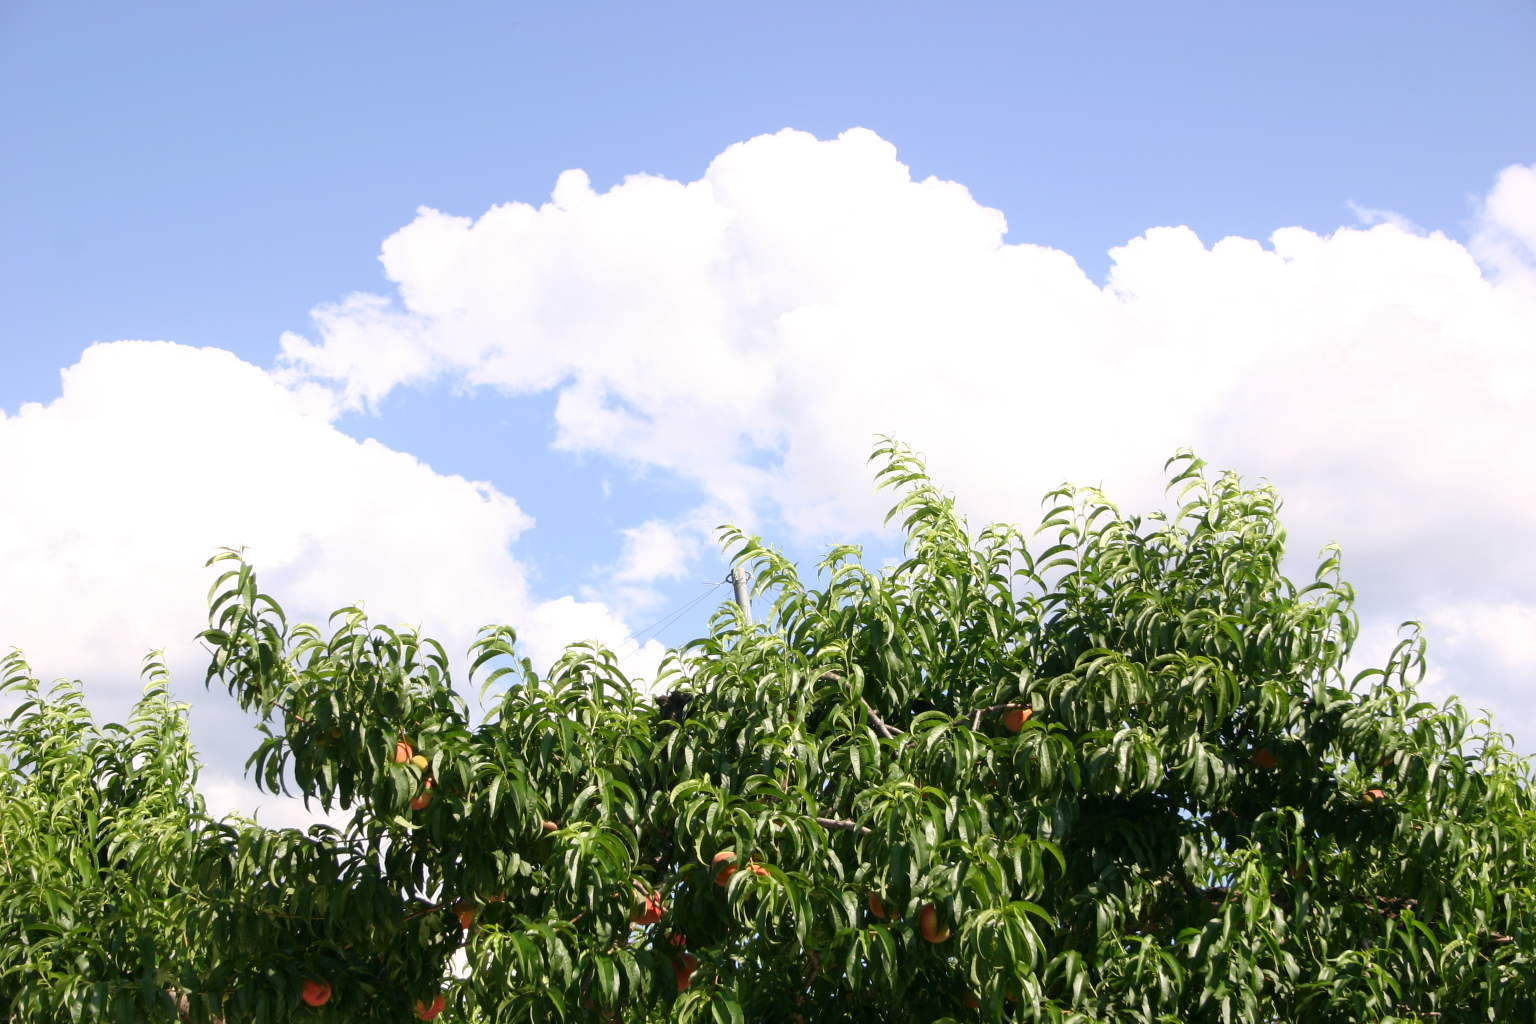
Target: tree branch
<point x="843" y="825"/>
<point x="874" y="716"/>
<point x="890" y="732"/>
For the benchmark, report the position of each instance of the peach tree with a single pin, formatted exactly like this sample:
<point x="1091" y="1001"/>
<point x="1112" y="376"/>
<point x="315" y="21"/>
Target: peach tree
<point x="1123" y="773"/>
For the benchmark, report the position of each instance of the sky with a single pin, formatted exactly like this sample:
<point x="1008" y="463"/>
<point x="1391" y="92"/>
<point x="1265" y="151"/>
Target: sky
<point x="492" y="312"/>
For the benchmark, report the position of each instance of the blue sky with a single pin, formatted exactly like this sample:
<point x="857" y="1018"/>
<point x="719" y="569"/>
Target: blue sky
<point x="210" y="174"/>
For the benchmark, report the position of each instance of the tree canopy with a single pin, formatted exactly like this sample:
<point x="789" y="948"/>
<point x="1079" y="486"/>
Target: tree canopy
<point x="1111" y="770"/>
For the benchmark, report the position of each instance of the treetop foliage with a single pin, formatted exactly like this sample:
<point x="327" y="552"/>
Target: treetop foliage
<point x="1113" y="770"/>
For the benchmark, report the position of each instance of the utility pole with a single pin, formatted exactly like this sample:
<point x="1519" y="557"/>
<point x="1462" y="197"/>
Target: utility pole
<point x="738" y="581"/>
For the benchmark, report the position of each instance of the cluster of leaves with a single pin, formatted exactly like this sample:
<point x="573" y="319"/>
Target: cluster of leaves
<point x="1120" y="778"/>
<point x="1202" y="819"/>
<point x="97" y="837"/>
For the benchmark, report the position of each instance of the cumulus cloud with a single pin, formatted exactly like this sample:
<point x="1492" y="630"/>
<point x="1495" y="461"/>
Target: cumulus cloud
<point x="750" y="331"/>
<point x="655" y="550"/>
<point x="157" y="454"/>
<point x="1506" y="235"/>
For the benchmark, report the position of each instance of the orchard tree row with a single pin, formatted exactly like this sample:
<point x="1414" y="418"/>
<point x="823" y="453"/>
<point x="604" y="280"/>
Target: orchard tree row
<point x="1112" y="770"/>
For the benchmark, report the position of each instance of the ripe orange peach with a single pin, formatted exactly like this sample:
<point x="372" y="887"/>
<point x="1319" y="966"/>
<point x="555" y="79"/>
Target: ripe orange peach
<point x="929" y="926"/>
<point x="724" y="866"/>
<point x="1014" y="718"/>
<point x="877" y="907"/>
<point x="683" y="967"/>
<point x="648" y="907"/>
<point x="316" y="993"/>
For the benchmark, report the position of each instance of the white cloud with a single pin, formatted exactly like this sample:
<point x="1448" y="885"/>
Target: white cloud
<point x="225" y="794"/>
<point x="653" y="551"/>
<point x="1503" y="635"/>
<point x="1369" y="215"/>
<point x="1482" y="651"/>
<point x="553" y="624"/>
<point x="1506" y="235"/>
<point x="752" y="330"/>
<point x="156" y="454"/>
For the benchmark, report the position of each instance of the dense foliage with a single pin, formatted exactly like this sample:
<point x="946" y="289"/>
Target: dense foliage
<point x="1119" y="775"/>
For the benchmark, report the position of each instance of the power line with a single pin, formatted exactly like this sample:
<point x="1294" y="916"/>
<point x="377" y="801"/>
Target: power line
<point x="666" y="620"/>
